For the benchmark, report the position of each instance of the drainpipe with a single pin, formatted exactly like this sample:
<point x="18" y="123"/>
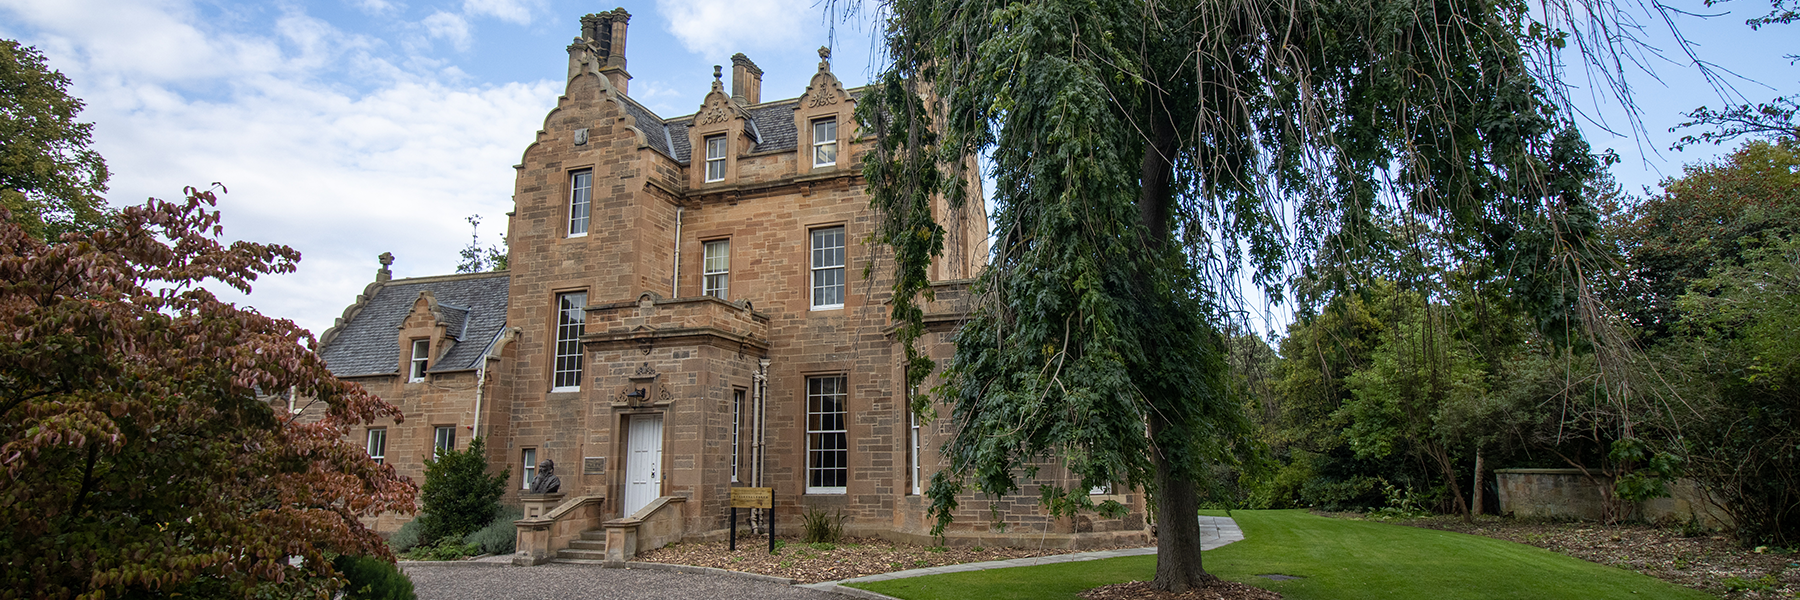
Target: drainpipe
<point x="493" y="352"/>
<point x="761" y="389"/>
<point x="675" y="278"/>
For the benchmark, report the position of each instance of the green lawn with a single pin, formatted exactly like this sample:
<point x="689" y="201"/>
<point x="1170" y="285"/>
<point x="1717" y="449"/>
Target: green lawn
<point x="1338" y="560"/>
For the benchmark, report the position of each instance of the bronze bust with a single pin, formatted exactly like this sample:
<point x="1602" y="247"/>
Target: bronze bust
<point x="546" y="482"/>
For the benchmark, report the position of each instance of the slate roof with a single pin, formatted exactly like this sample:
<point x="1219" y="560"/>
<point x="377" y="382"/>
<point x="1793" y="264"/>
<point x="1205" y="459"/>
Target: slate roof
<point x="473" y="308"/>
<point x="772" y="124"/>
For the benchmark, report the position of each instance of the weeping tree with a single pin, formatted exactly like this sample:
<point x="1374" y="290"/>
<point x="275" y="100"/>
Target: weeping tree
<point x="1148" y="157"/>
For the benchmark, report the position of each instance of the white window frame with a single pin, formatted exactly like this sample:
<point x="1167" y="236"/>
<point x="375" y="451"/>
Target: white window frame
<point x="827" y="434"/>
<point x="565" y="354"/>
<point x="581" y="201"/>
<point x="377" y="444"/>
<point x="715" y="269"/>
<point x="715" y="161"/>
<point x="529" y="471"/>
<point x="828" y="267"/>
<point x="825" y="139"/>
<point x="737" y="426"/>
<point x="420" y="360"/>
<point x="913" y="421"/>
<point x="443" y="437"/>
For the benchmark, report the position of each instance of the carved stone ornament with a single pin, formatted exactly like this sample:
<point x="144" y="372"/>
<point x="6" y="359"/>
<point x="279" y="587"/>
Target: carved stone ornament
<point x="716" y="114"/>
<point x="645" y="370"/>
<point x="825" y="99"/>
<point x="645" y="346"/>
<point x="581" y="137"/>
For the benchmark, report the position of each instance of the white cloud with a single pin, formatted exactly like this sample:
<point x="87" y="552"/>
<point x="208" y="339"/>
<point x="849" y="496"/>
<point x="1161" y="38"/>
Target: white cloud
<point x="443" y="25"/>
<point x="340" y="172"/>
<point x="722" y="27"/>
<point x="376" y="7"/>
<point x="513" y="11"/>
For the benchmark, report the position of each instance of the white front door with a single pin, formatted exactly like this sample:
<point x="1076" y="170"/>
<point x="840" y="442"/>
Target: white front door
<point x="643" y="463"/>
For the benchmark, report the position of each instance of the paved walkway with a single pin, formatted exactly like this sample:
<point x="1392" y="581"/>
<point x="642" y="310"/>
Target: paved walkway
<point x="1214" y="532"/>
<point x="556" y="581"/>
<point x="473" y="580"/>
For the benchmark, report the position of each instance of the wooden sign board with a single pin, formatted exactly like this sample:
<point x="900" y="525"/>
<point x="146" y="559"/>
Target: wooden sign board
<point x="752" y="497"/>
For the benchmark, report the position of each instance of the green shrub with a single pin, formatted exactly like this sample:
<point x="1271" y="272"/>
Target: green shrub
<point x="500" y="535"/>
<point x="1760" y="584"/>
<point x="372" y="579"/>
<point x="1357" y="491"/>
<point x="459" y="496"/>
<point x="406" y="538"/>
<point x="825" y="528"/>
<point x="444" y="549"/>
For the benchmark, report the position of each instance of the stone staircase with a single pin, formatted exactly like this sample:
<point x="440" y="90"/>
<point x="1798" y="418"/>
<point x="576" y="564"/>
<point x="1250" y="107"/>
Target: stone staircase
<point x="589" y="550"/>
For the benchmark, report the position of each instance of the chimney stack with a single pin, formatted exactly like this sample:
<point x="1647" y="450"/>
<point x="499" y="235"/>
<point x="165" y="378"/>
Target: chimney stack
<point x="746" y="80"/>
<point x="603" y="39"/>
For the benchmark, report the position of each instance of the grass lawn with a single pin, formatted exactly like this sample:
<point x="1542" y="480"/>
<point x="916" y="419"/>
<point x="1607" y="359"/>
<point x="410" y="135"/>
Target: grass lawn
<point x="1338" y="560"/>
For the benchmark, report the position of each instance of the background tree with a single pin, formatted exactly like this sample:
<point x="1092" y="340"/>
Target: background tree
<point x="1743" y="362"/>
<point x="138" y="458"/>
<point x="475" y="258"/>
<point x="50" y="179"/>
<point x="1142" y="153"/>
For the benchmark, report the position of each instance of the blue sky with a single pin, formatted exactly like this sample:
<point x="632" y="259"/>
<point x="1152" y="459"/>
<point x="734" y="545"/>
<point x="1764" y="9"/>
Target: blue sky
<point x="348" y="128"/>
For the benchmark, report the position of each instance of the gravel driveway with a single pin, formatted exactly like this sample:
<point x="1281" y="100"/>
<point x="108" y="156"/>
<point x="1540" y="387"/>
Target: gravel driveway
<point x="561" y="581"/>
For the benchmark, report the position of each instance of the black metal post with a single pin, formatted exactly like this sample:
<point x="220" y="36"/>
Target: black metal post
<point x="771" y="519"/>
<point x="734" y="529"/>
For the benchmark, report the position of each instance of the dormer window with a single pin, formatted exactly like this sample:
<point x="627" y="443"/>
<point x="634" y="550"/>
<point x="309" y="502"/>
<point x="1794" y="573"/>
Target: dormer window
<point x="825" y="142"/>
<point x="715" y="158"/>
<point x="421" y="354"/>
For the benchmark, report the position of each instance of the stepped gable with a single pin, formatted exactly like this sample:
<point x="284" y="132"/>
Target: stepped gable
<point x="472" y="307"/>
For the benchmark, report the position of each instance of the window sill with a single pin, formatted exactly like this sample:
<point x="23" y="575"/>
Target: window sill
<point x="825" y="491"/>
<point x="821" y="166"/>
<point x="565" y="389"/>
<point x="419" y="380"/>
<point x="829" y="307"/>
<point x="577" y="235"/>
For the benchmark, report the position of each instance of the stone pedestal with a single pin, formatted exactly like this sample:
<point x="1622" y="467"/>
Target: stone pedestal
<point x="537" y="505"/>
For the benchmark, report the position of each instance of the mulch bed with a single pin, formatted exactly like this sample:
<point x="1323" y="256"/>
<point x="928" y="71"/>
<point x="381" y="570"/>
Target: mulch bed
<point x="1712" y="563"/>
<point x="812" y="563"/>
<point x="1218" y="590"/>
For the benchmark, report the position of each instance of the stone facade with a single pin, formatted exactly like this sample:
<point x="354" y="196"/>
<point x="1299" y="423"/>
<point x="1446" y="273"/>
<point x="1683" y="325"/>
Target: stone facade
<point x="748" y="374"/>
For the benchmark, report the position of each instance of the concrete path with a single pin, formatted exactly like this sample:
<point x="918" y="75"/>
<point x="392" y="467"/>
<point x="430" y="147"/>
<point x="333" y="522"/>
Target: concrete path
<point x="1214" y="532"/>
<point x="496" y="579"/>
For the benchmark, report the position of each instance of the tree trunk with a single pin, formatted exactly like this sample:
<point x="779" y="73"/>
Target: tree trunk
<point x="1178" y="566"/>
<point x="1479" y="465"/>
<point x="1442" y="456"/>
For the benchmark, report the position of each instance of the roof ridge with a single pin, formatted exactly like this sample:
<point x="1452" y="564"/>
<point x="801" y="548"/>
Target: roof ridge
<point x="450" y="277"/>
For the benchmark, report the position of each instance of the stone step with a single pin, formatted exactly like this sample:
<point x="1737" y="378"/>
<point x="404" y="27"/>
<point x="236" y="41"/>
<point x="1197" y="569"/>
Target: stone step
<point x="581" y="554"/>
<point x="597" y="535"/>
<point x="587" y="545"/>
<point x="577" y="561"/>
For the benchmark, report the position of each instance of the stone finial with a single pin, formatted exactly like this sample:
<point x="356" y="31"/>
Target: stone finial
<point x="824" y="58"/>
<point x="387" y="260"/>
<point x="718" y="78"/>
